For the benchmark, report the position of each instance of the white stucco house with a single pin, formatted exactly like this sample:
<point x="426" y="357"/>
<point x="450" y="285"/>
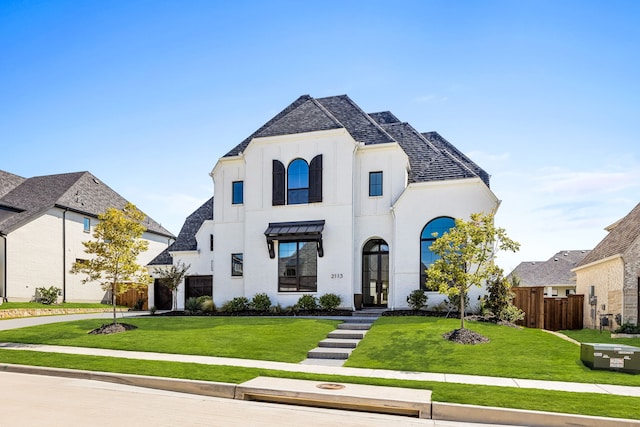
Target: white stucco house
<point x="43" y="222"/>
<point x="325" y="198"/>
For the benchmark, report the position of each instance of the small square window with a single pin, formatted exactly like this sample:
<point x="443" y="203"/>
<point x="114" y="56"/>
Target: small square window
<point x="236" y="265"/>
<point x="375" y="184"/>
<point x="87" y="225"/>
<point x="237" y="193"/>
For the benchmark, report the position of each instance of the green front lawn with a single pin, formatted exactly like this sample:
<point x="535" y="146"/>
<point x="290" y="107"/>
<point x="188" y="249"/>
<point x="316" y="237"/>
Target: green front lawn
<point x="595" y="336"/>
<point x="416" y="344"/>
<point x="506" y="397"/>
<point x="403" y="343"/>
<point x="261" y="338"/>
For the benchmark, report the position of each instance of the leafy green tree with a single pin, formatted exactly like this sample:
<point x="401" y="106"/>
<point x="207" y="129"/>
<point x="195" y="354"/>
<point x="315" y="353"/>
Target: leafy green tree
<point x="172" y="276"/>
<point x="115" y="252"/>
<point x="466" y="257"/>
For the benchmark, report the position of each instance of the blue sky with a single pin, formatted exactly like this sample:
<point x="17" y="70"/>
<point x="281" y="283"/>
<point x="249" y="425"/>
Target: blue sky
<point x="147" y="95"/>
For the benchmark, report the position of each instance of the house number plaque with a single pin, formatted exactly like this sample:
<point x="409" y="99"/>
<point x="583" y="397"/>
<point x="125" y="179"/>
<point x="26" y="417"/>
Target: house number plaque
<point x="336" y="275"/>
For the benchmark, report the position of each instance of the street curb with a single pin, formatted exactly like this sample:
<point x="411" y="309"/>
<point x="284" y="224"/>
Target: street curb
<point x="491" y="415"/>
<point x="439" y="411"/>
<point x="204" y="388"/>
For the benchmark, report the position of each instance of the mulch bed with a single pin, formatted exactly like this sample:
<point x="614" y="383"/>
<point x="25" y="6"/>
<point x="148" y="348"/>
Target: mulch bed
<point x="465" y="336"/>
<point x="340" y="313"/>
<point x="112" y="328"/>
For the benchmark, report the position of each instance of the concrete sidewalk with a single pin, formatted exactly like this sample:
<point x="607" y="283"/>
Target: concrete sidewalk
<point x="332" y="370"/>
<point x="295" y="367"/>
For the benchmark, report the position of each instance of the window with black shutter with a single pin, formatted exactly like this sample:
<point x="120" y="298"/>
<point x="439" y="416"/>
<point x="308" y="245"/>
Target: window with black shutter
<point x="315" y="179"/>
<point x="278" y="184"/>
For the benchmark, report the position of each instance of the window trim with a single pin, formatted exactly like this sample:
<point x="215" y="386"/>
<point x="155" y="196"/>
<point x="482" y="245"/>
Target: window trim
<point x="237" y="265"/>
<point x="235" y="187"/>
<point x="381" y="185"/>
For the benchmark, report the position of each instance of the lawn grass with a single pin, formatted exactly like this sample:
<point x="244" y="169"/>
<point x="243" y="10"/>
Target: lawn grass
<point x="416" y="344"/>
<point x="261" y="338"/>
<point x="37" y="305"/>
<point x="595" y="336"/>
<point x="507" y="397"/>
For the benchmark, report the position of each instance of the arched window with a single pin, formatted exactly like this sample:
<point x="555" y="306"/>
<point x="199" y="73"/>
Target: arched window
<point x="440" y="226"/>
<point x="298" y="182"/>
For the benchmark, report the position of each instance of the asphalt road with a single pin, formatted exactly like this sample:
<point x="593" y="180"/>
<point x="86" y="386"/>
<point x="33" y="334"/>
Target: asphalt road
<point x="35" y="400"/>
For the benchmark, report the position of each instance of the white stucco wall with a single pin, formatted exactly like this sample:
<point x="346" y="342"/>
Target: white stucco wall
<point x="351" y="216"/>
<point x="419" y="204"/>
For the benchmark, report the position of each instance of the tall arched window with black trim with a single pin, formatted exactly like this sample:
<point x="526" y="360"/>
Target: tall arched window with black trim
<point x="434" y="229"/>
<point x="298" y="182"/>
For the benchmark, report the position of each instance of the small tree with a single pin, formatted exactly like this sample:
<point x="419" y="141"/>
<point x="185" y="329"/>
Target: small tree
<point x="115" y="252"/>
<point x="172" y="276"/>
<point x="466" y="257"/>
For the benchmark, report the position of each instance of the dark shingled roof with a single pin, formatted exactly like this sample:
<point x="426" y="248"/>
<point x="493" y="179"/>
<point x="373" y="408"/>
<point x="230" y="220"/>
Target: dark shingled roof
<point x="8" y="182"/>
<point x="186" y="240"/>
<point x="619" y="239"/>
<point x="555" y="271"/>
<point x="436" y="139"/>
<point x="80" y="192"/>
<point x="431" y="157"/>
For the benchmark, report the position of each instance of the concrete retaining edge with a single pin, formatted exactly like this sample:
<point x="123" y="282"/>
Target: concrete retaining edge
<point x="491" y="415"/>
<point x="439" y="411"/>
<point x="204" y="388"/>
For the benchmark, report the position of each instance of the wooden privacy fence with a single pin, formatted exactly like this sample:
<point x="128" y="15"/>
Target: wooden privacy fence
<point x="563" y="313"/>
<point x="131" y="297"/>
<point x="548" y="313"/>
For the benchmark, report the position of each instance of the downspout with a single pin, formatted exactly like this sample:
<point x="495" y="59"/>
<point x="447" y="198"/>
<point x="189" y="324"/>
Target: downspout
<point x="4" y="269"/>
<point x="64" y="255"/>
<point x="354" y="256"/>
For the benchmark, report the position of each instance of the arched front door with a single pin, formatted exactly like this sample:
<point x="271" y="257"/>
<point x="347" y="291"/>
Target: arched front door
<point x="375" y="273"/>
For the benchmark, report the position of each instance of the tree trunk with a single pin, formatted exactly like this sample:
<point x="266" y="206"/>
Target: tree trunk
<point x="113" y="301"/>
<point x="461" y="310"/>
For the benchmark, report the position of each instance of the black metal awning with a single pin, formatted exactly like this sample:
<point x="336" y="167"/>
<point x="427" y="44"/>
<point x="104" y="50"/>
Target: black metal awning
<point x="310" y="231"/>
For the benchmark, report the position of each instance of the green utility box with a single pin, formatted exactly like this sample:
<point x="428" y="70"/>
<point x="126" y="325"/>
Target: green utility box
<point x="612" y="357"/>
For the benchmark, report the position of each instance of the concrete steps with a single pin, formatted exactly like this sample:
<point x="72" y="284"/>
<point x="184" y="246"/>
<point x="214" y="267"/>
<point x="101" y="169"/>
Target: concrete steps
<point x="339" y="344"/>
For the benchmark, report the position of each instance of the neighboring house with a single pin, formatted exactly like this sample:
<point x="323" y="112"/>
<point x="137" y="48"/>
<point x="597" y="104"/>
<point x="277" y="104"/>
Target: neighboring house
<point x="555" y="274"/>
<point x="610" y="275"/>
<point x="43" y="222"/>
<point x="325" y="198"/>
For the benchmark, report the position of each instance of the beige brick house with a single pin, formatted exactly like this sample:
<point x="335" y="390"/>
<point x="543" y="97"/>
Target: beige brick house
<point x="609" y="276"/>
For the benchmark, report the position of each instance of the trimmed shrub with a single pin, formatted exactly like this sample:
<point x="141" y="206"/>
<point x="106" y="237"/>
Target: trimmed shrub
<point x="307" y="302"/>
<point x="192" y="305"/>
<point x="417" y="299"/>
<point x="511" y="314"/>
<point x="48" y="295"/>
<point x="206" y="304"/>
<point x="236" y="305"/>
<point x="628" y="328"/>
<point x="330" y="302"/>
<point x="261" y="302"/>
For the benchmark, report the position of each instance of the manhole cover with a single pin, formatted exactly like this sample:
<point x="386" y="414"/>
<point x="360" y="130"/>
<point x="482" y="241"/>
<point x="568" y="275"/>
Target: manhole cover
<point x="330" y="386"/>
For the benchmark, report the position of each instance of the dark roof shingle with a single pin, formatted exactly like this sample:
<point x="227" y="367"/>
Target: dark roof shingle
<point x="79" y="191"/>
<point x="555" y="271"/>
<point x="619" y="239"/>
<point x="431" y="157"/>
